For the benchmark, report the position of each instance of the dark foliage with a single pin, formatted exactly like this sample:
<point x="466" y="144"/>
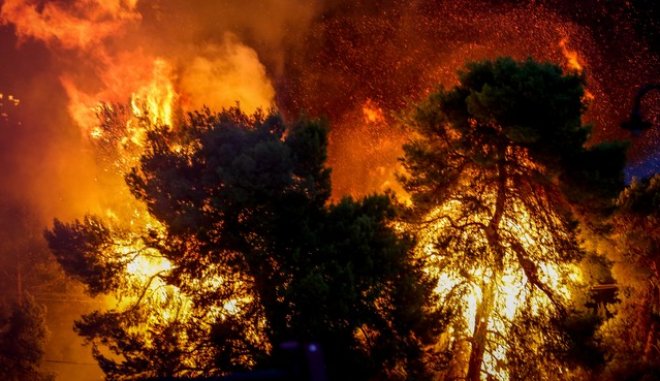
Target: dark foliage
<point x="22" y="335"/>
<point x="245" y="199"/>
<point x="632" y="335"/>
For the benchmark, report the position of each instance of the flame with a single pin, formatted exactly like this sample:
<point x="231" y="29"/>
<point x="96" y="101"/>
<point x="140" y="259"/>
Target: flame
<point x="152" y="104"/>
<point x="575" y="63"/>
<point x="372" y="113"/>
<point x="145" y="267"/>
<point x="155" y="101"/>
<point x="512" y="287"/>
<point x="573" y="60"/>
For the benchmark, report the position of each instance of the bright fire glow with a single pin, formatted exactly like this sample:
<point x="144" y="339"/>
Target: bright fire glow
<point x="372" y="113"/>
<point x="155" y="101"/>
<point x="463" y="287"/>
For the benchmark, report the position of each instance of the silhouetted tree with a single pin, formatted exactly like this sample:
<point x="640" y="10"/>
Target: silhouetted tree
<point x="263" y="256"/>
<point x="22" y="336"/>
<point x="26" y="268"/>
<point x="497" y="169"/>
<point x="25" y="262"/>
<point x="632" y="335"/>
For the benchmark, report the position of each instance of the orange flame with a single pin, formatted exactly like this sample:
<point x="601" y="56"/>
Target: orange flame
<point x="155" y="101"/>
<point x="572" y="58"/>
<point x="575" y="62"/>
<point x="372" y="113"/>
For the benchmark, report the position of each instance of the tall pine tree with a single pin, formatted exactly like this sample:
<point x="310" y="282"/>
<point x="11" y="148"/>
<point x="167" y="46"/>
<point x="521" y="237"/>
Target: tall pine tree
<point x="497" y="170"/>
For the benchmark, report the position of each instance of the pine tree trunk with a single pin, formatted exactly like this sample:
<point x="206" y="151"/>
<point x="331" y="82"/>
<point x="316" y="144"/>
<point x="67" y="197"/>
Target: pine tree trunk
<point x="651" y="333"/>
<point x="479" y="339"/>
<point x="649" y="343"/>
<point x="489" y="290"/>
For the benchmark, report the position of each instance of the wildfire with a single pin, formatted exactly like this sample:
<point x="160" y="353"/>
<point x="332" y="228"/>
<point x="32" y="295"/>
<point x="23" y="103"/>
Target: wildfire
<point x="155" y="85"/>
<point x="464" y="287"/>
<point x="122" y="130"/>
<point x="115" y="97"/>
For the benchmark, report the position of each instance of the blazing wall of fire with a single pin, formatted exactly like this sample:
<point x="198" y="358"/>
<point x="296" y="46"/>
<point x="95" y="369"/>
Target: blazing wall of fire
<point x="359" y="64"/>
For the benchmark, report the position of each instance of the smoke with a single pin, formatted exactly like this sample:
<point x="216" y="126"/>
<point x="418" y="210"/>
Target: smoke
<point x="106" y="49"/>
<point x="224" y="75"/>
<point x="81" y="25"/>
<point x="324" y="58"/>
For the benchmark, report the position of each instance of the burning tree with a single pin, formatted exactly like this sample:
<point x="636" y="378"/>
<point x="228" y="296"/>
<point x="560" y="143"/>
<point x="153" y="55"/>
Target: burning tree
<point x="248" y="253"/>
<point x="495" y="170"/>
<point x="632" y="335"/>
